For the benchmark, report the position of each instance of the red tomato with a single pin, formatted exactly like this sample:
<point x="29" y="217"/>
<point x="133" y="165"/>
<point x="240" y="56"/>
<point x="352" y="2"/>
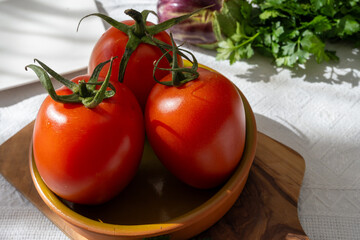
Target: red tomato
<point x="89" y="155"/>
<point x="197" y="130"/>
<point x="139" y="70"/>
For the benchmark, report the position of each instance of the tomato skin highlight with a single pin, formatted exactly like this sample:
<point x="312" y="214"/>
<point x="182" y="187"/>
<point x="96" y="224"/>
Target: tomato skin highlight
<point x="197" y="130"/>
<point x="139" y="70"/>
<point x="89" y="155"/>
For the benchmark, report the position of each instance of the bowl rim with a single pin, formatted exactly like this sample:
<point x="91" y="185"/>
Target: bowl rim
<point x="201" y="212"/>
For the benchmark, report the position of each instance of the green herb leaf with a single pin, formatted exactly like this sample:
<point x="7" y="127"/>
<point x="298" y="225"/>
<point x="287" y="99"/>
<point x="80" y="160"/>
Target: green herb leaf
<point x="225" y="50"/>
<point x="277" y="31"/>
<point x="290" y="31"/>
<point x="314" y="45"/>
<point x="244" y="6"/>
<point x="288" y="48"/>
<point x="347" y="26"/>
<point x="226" y="23"/>
<point x="320" y="24"/>
<point x="270" y="14"/>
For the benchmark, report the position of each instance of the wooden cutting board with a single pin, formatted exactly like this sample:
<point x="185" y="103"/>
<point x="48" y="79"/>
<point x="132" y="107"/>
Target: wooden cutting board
<point x="266" y="209"/>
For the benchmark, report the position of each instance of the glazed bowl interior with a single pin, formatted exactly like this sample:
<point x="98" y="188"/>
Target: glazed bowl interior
<point x="155" y="202"/>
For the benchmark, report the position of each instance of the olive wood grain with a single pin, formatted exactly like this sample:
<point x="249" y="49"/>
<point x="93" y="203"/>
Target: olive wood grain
<point x="266" y="209"/>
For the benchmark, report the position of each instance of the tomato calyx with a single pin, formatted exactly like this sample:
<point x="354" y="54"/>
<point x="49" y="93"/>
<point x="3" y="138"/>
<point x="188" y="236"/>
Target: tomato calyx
<point x="140" y="32"/>
<point x="180" y="75"/>
<point x="83" y="92"/>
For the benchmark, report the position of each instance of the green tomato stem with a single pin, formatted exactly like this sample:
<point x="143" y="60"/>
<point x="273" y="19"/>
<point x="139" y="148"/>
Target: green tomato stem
<point x="131" y="45"/>
<point x="83" y="92"/>
<point x="140" y="33"/>
<point x="140" y="27"/>
<point x="92" y="102"/>
<point x="180" y="76"/>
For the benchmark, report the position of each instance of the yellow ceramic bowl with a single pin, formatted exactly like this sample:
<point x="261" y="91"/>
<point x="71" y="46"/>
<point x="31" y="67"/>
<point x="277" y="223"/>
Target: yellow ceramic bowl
<point x="155" y="203"/>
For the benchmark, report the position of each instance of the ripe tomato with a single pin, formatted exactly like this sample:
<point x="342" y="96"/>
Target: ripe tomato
<point x="139" y="70"/>
<point x="89" y="155"/>
<point x="197" y="130"/>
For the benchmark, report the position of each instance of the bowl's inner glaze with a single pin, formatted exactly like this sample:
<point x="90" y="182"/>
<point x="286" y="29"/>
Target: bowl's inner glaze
<point x="154" y="196"/>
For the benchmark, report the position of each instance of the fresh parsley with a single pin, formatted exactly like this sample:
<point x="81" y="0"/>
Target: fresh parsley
<point x="291" y="31"/>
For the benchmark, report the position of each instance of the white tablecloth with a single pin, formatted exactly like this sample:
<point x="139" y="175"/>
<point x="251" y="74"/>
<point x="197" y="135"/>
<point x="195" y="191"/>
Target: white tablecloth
<point x="314" y="109"/>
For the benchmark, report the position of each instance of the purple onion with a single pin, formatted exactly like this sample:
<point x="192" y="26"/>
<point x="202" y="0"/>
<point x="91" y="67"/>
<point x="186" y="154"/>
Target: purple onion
<point x="198" y="28"/>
